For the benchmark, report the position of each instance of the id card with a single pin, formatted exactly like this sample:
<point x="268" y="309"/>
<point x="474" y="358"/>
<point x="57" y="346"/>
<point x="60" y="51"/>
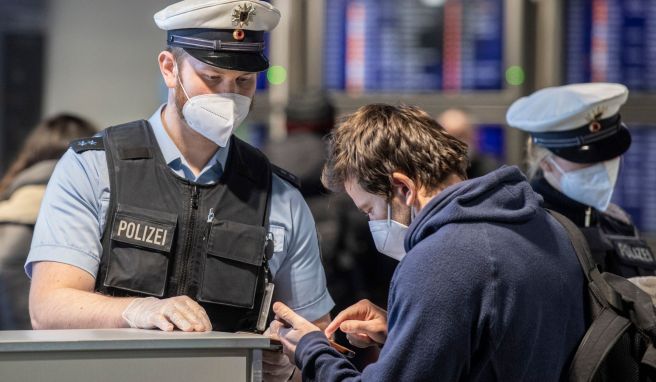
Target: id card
<point x="265" y="308"/>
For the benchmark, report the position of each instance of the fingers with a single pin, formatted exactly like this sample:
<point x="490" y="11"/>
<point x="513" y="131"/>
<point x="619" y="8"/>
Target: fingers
<point x="357" y="311"/>
<point x="275" y="327"/>
<point x="178" y="319"/>
<point x="186" y="314"/>
<point x="163" y="323"/>
<point x="287" y="315"/>
<point x="360" y="340"/>
<point x="201" y="315"/>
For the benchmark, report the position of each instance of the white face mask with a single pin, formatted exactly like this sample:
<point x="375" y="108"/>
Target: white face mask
<point x="215" y="116"/>
<point x="389" y="235"/>
<point x="592" y="186"/>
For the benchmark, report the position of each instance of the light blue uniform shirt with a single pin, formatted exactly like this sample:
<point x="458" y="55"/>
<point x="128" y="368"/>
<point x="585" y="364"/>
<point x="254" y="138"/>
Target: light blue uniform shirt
<point x="74" y="212"/>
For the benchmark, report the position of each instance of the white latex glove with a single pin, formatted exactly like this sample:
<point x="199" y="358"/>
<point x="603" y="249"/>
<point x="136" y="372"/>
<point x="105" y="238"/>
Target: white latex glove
<point x="180" y="311"/>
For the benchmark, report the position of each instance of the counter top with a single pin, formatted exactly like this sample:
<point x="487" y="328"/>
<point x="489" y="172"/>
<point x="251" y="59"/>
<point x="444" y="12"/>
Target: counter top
<point x="121" y="339"/>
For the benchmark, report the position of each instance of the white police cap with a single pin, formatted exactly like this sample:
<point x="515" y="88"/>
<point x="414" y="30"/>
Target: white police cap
<point x="224" y="33"/>
<point x="579" y="122"/>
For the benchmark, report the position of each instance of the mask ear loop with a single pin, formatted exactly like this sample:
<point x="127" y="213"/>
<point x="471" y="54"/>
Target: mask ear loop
<point x="553" y="162"/>
<point x="177" y="70"/>
<point x="389" y="214"/>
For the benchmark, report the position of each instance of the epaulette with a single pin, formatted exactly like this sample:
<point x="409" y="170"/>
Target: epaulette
<point x="286" y="175"/>
<point x="84" y="144"/>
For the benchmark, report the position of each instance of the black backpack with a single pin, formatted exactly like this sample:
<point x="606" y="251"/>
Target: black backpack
<point x="619" y="343"/>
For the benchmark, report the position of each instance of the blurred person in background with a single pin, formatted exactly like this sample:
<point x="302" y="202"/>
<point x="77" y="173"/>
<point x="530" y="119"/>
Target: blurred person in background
<point x="21" y="191"/>
<point x="577" y="139"/>
<point x="460" y="124"/>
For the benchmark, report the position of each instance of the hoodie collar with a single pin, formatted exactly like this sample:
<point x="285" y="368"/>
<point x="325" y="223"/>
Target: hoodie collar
<point x="502" y="196"/>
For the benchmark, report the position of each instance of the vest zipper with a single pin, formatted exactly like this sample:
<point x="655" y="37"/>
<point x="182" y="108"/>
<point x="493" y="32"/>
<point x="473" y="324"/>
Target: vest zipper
<point x="182" y="287"/>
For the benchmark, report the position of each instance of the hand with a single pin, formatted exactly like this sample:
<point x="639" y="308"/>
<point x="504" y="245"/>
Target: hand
<point x="166" y="314"/>
<point x="364" y="323"/>
<point x="290" y="328"/>
<point x="275" y="365"/>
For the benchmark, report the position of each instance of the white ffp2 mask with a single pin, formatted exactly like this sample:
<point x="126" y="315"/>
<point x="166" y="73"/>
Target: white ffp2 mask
<point x="592" y="186"/>
<point x="215" y="116"/>
<point x="388" y="236"/>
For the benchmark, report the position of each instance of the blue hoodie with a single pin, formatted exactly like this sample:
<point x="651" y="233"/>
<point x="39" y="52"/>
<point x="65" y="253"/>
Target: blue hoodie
<point x="490" y="290"/>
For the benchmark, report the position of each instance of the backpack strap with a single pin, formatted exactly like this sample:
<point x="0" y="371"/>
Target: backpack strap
<point x="600" y="338"/>
<point x="603" y="292"/>
<point x="623" y="305"/>
<point x="649" y="359"/>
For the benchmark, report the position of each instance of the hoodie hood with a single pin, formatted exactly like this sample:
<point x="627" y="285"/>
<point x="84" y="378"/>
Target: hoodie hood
<point x="502" y="196"/>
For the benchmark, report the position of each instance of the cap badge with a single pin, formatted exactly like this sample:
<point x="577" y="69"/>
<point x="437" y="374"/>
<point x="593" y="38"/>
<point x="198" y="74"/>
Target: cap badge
<point x="594" y="126"/>
<point x="242" y="15"/>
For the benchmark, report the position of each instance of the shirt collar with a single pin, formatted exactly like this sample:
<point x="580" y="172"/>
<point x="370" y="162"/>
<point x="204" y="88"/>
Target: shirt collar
<point x="170" y="151"/>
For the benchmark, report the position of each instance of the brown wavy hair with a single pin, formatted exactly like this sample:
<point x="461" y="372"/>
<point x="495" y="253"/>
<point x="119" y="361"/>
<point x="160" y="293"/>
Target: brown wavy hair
<point x="48" y="140"/>
<point x="379" y="139"/>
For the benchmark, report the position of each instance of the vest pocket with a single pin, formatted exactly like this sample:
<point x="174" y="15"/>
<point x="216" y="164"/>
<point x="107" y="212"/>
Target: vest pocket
<point x="140" y="244"/>
<point x="232" y="264"/>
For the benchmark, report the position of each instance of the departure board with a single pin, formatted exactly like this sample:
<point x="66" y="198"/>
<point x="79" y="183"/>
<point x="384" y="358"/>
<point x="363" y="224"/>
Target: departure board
<point x="636" y="184"/>
<point x="413" y="45"/>
<point x="611" y="41"/>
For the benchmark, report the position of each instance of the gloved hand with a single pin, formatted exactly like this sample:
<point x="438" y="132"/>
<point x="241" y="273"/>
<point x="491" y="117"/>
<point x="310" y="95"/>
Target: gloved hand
<point x="166" y="314"/>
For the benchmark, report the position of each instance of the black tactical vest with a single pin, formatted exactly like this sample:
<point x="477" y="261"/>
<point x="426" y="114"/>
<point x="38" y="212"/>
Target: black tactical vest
<point x="614" y="244"/>
<point x="166" y="236"/>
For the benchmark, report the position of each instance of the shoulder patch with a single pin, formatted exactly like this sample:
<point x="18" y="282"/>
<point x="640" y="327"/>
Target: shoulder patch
<point x="286" y="175"/>
<point x="84" y="144"/>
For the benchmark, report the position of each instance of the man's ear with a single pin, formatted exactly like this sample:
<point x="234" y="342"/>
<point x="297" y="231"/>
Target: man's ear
<point x="168" y="69"/>
<point x="404" y="187"/>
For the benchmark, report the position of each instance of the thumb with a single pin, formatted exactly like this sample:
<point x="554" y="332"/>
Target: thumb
<point x="287" y="315"/>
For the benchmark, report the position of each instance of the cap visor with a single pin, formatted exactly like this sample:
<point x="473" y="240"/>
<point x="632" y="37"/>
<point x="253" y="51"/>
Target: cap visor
<point x="242" y="61"/>
<point x="600" y="151"/>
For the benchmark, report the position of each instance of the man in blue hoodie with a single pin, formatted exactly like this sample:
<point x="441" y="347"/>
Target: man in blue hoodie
<point x="490" y="288"/>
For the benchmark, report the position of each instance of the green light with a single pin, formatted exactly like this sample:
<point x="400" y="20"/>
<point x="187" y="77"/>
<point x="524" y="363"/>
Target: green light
<point x="276" y="75"/>
<point x="515" y="75"/>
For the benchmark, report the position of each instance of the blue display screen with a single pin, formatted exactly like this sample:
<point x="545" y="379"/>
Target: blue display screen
<point x="611" y="41"/>
<point x="635" y="190"/>
<point x="413" y="45"/>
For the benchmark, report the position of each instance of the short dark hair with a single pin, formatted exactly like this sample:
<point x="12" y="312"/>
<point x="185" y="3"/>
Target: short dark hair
<point x="379" y="139"/>
<point x="177" y="52"/>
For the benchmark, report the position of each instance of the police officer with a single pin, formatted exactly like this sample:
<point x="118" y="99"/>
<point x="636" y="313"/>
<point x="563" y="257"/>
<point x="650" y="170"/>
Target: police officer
<point x="173" y="222"/>
<point x="576" y="139"/>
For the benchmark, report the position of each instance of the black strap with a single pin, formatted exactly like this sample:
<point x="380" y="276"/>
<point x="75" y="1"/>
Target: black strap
<point x="600" y="338"/>
<point x="604" y="293"/>
<point x="619" y="298"/>
<point x="649" y="358"/>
